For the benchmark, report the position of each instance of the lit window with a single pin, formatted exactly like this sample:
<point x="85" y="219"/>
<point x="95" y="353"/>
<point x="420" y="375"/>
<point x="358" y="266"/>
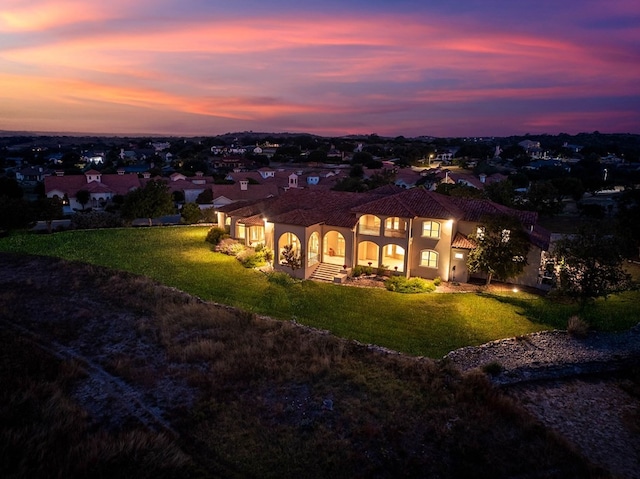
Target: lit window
<point x="429" y="259"/>
<point x="458" y="255"/>
<point x="240" y="231"/>
<point x="431" y="229"/>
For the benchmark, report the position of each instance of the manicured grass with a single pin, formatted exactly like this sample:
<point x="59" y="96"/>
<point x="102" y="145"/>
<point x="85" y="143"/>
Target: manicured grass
<point x="422" y="324"/>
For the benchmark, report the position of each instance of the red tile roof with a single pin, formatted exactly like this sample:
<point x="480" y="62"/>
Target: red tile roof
<point x="413" y="203"/>
<point x="115" y="184"/>
<point x="462" y="242"/>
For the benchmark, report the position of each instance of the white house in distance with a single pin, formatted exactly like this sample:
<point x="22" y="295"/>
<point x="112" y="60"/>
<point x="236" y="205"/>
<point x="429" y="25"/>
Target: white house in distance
<point x="104" y="187"/>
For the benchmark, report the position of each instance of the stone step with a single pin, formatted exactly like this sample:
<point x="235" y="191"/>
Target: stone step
<point x="326" y="272"/>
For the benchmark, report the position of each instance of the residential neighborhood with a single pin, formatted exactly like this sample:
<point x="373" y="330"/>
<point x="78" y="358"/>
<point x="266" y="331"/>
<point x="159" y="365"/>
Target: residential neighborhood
<point x="408" y="206"/>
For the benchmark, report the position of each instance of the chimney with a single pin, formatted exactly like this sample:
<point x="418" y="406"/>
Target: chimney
<point x="120" y="171"/>
<point x="483" y="177"/>
<point x="146" y="175"/>
<point x="293" y="180"/>
<point x="59" y="172"/>
<point x="244" y="184"/>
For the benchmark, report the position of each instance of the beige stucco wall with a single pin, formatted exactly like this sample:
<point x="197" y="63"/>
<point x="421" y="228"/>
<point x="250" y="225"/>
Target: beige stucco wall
<point x="441" y="245"/>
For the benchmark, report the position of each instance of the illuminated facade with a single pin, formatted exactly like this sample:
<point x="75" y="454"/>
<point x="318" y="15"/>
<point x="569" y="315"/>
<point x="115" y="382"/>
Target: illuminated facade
<point x="415" y="232"/>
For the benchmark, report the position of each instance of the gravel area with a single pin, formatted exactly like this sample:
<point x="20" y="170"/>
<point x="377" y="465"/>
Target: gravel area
<point x="575" y="387"/>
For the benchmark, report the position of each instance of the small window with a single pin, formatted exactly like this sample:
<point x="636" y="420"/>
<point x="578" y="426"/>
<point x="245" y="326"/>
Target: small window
<point x="240" y="231"/>
<point x="431" y="229"/>
<point x="429" y="259"/>
<point x="458" y="255"/>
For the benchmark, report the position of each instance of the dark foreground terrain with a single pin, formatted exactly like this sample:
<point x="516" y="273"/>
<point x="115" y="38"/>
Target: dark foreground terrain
<point x="105" y="374"/>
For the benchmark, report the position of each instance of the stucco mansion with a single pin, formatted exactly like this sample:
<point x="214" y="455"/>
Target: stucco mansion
<point x="414" y="232"/>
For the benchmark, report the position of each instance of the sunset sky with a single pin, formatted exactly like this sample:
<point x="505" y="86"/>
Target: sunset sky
<point x="336" y="67"/>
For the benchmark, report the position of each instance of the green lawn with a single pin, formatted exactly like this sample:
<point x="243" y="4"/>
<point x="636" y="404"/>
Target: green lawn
<point x="423" y="324"/>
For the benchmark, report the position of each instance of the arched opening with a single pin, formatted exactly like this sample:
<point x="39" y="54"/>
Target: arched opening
<point x="368" y="254"/>
<point x="288" y="239"/>
<point x="393" y="257"/>
<point x="395" y="227"/>
<point x="313" y="250"/>
<point x="369" y="225"/>
<point x="333" y="248"/>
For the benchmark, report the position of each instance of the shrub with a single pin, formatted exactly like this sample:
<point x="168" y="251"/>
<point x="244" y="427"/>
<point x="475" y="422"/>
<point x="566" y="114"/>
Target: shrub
<point x="95" y="220"/>
<point x="281" y="278"/>
<point x="250" y="258"/>
<point x="359" y="270"/>
<point x="191" y="213"/>
<point x="437" y="281"/>
<point x="229" y="246"/>
<point x="215" y="235"/>
<point x="492" y="368"/>
<point x="209" y="215"/>
<point x="382" y="270"/>
<point x="577" y="327"/>
<point x="400" y="284"/>
<point x="266" y="253"/>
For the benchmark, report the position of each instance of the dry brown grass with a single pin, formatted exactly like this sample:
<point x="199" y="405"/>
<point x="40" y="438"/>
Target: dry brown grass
<point x="273" y="399"/>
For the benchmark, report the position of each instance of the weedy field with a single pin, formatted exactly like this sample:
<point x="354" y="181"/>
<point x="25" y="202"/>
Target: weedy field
<point x="108" y="374"/>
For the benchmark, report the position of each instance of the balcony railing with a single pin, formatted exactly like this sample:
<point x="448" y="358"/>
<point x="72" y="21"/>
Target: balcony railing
<point x="369" y="230"/>
<point x="392" y="233"/>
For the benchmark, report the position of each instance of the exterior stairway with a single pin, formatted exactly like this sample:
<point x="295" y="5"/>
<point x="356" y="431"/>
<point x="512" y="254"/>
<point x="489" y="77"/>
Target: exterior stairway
<point x="326" y="272"/>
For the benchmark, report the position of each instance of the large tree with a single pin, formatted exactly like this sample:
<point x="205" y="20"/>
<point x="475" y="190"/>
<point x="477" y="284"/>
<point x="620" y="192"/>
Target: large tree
<point x="48" y="210"/>
<point x="150" y="201"/>
<point x="590" y="263"/>
<point x="83" y="197"/>
<point x="501" y="247"/>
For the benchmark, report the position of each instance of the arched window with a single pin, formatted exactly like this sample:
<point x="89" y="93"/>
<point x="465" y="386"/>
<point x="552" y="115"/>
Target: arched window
<point x="431" y="229"/>
<point x="429" y="258"/>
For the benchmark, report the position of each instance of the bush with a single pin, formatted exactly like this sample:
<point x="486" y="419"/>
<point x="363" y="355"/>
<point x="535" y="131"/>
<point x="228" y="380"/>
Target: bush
<point x="250" y="259"/>
<point x="191" y="213"/>
<point x="577" y="327"/>
<point x="254" y="258"/>
<point x="492" y="368"/>
<point x="215" y="235"/>
<point x="95" y="220"/>
<point x="229" y="246"/>
<point x="437" y="281"/>
<point x="359" y="270"/>
<point x="209" y="215"/>
<point x="266" y="253"/>
<point x="281" y="278"/>
<point x="400" y="284"/>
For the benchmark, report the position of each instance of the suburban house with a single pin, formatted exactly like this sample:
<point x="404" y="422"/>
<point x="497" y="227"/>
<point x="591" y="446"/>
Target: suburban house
<point x="33" y="174"/>
<point x="414" y="232"/>
<point x="103" y="187"/>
